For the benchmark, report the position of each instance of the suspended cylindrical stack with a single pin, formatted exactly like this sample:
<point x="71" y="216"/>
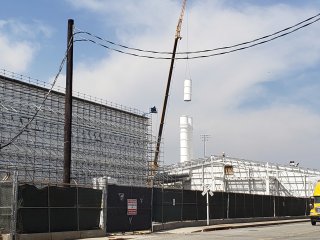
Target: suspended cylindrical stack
<point x="185" y="138"/>
<point x="187" y="90"/>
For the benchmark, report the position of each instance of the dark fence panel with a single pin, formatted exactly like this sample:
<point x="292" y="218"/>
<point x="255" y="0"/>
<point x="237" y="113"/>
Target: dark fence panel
<point x="157" y="211"/>
<point x="33" y="211"/>
<point x="218" y="205"/>
<point x="89" y="207"/>
<point x="118" y="219"/>
<point x="249" y="205"/>
<point x="201" y="206"/>
<point x="282" y="206"/>
<point x="63" y="209"/>
<point x="57" y="209"/>
<point x="268" y="207"/>
<point x="258" y="205"/>
<point x="180" y="205"/>
<point x="172" y="205"/>
<point x="189" y="205"/>
<point x="232" y="205"/>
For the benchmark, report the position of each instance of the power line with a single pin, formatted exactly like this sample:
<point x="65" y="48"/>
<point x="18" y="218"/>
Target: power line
<point x="256" y="44"/>
<point x="257" y="39"/>
<point x="119" y="45"/>
<point x="83" y="39"/>
<point x="42" y="104"/>
<point x="272" y="36"/>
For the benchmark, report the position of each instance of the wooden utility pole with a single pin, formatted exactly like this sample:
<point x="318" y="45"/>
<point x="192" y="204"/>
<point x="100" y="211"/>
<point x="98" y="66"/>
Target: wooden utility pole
<point x="68" y="106"/>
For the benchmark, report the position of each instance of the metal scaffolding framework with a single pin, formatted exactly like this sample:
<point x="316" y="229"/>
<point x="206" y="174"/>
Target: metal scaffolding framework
<point x="226" y="174"/>
<point x="108" y="140"/>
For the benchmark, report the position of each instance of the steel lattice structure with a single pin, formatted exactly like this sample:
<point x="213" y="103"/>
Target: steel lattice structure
<point x="227" y="174"/>
<point x="107" y="141"/>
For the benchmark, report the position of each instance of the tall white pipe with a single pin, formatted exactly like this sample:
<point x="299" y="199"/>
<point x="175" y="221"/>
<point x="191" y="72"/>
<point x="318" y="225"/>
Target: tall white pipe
<point x="187" y="90"/>
<point x="185" y="138"/>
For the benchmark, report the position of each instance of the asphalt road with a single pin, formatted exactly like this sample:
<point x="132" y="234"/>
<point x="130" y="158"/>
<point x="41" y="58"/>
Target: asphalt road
<point x="292" y="231"/>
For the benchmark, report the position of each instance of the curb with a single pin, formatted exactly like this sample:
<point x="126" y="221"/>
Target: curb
<point x="245" y="225"/>
<point x="222" y="222"/>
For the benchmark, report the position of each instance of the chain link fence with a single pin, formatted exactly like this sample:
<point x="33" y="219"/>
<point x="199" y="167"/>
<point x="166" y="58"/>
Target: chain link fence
<point x="8" y="206"/>
<point x="6" y="196"/>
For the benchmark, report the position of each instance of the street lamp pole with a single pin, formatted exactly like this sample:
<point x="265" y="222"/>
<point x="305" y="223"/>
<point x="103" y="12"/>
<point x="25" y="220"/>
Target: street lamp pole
<point x="205" y="138"/>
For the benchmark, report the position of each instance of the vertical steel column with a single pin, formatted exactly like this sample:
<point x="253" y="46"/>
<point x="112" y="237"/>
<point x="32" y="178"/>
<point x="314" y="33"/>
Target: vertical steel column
<point x="68" y="106"/>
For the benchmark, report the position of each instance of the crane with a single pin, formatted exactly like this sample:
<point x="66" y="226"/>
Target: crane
<point x="163" y="114"/>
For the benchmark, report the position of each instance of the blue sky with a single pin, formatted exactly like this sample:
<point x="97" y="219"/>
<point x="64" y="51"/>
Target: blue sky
<point x="261" y="104"/>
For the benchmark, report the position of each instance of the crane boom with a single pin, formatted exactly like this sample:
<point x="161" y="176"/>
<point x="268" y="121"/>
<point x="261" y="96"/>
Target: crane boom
<point x="181" y="19"/>
<point x="177" y="37"/>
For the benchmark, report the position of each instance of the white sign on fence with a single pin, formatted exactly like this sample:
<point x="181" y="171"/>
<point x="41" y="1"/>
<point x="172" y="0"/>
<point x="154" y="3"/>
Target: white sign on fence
<point x="132" y="207"/>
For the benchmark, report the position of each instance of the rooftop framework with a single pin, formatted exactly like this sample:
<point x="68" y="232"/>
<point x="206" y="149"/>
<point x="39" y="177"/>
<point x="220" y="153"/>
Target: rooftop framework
<point x="107" y="141"/>
<point x="226" y="174"/>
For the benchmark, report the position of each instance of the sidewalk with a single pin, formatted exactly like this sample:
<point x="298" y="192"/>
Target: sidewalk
<point x="224" y="222"/>
<point x="197" y="229"/>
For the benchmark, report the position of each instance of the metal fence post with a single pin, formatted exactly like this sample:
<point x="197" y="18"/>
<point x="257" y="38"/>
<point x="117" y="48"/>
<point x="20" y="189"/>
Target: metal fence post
<point x="49" y="210"/>
<point x="197" y="205"/>
<point x="78" y="216"/>
<point x="162" y="198"/>
<point x="228" y="205"/>
<point x="14" y="206"/>
<point x="181" y="217"/>
<point x="274" y="206"/>
<point x="104" y="207"/>
<point x="152" y="206"/>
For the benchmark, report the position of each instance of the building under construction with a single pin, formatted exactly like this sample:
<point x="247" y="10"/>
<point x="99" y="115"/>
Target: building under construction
<point x="108" y="141"/>
<point x="227" y="174"/>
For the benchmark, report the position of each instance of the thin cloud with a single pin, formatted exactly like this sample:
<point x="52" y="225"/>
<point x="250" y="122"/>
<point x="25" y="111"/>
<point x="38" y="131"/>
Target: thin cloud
<point x="18" y="44"/>
<point x="15" y="55"/>
<point x="222" y="85"/>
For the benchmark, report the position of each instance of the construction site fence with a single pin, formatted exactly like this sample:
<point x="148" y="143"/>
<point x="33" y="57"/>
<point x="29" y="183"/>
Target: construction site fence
<point x="181" y="205"/>
<point x="7" y="215"/>
<point x="28" y="208"/>
<point x="123" y="218"/>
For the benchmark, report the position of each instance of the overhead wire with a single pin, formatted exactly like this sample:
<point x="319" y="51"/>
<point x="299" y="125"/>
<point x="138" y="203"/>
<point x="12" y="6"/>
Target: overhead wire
<point x="276" y="36"/>
<point x="83" y="39"/>
<point x="118" y="44"/>
<point x="257" y="39"/>
<point x="38" y="108"/>
<point x="284" y="32"/>
<point x="253" y="45"/>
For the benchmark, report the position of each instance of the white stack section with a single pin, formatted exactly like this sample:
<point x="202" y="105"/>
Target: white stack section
<point x="185" y="138"/>
<point x="187" y="90"/>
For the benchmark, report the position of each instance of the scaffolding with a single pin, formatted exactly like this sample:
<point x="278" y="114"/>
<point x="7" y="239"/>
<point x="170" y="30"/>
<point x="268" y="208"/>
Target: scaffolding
<point x="227" y="174"/>
<point x="108" y="141"/>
